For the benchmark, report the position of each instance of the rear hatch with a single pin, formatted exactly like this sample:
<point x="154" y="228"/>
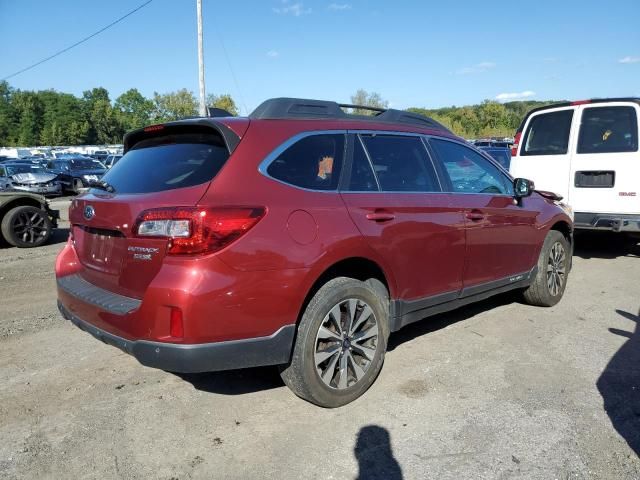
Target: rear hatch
<point x="164" y="166"/>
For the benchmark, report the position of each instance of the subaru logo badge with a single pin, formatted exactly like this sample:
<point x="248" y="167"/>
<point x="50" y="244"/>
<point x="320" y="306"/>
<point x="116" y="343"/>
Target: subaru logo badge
<point x="89" y="212"/>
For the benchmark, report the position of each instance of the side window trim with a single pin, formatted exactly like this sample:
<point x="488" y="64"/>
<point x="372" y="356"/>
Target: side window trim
<point x="276" y="152"/>
<point x="506" y="177"/>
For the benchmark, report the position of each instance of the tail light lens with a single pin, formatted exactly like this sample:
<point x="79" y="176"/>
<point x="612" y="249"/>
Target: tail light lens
<point x="516" y="142"/>
<point x="194" y="230"/>
<point x="176" y="325"/>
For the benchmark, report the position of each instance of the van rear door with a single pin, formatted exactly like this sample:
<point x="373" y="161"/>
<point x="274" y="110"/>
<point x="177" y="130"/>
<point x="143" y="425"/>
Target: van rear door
<point x="544" y="155"/>
<point x="605" y="162"/>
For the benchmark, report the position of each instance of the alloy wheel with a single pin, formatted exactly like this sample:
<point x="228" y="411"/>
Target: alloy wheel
<point x="556" y="268"/>
<point x="29" y="227"/>
<point x="346" y="343"/>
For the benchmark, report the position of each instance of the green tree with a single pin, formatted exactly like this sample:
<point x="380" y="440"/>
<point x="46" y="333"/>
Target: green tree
<point x="29" y="113"/>
<point x="224" y="101"/>
<point x="105" y="124"/>
<point x="174" y="105"/>
<point x="134" y="109"/>
<point x="364" y="98"/>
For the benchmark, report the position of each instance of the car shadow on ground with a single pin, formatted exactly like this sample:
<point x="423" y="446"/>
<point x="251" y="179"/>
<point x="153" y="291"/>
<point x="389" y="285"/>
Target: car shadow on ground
<point x="59" y="235"/>
<point x="619" y="384"/>
<point x="608" y="245"/>
<point x="235" y="382"/>
<point x="375" y="456"/>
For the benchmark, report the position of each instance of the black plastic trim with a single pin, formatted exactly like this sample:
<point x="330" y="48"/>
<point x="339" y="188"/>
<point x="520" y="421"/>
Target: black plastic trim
<point x="302" y="108"/>
<point x="404" y="312"/>
<point x="196" y="358"/>
<point x="108" y="301"/>
<point x="616" y="222"/>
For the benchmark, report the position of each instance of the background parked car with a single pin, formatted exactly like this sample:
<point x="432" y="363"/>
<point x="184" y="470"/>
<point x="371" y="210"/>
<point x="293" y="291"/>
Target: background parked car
<point x="28" y="177"/>
<point x="112" y="160"/>
<point x="76" y="172"/>
<point x="502" y="155"/>
<point x="100" y="155"/>
<point x="25" y="219"/>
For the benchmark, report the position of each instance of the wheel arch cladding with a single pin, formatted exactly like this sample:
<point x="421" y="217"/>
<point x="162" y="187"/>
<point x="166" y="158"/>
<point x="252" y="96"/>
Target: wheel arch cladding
<point x="564" y="228"/>
<point x="19" y="202"/>
<point x="359" y="268"/>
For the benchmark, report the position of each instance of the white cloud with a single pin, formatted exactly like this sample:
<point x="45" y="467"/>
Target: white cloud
<point x="478" y="68"/>
<point x="503" y="97"/>
<point x="629" y="59"/>
<point x="273" y="54"/>
<point x="339" y="6"/>
<point x="296" y="9"/>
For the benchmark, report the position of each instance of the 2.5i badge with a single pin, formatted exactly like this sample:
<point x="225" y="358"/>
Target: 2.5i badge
<point x="142" y="253"/>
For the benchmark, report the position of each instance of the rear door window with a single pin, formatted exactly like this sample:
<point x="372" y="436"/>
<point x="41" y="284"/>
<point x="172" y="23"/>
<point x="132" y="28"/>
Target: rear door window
<point x="470" y="172"/>
<point x="168" y="162"/>
<point x="401" y="163"/>
<point x="313" y="162"/>
<point x="548" y="134"/>
<point x="608" y="130"/>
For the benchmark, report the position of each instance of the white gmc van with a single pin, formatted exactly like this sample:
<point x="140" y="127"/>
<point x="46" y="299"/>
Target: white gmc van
<point x="587" y="152"/>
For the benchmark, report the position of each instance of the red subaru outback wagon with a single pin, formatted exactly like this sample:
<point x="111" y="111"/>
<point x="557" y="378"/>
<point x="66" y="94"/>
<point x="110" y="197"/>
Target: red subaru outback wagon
<point x="301" y="236"/>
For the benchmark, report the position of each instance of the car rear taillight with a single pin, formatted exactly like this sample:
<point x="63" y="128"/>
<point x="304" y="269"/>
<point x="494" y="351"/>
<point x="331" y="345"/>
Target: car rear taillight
<point x="516" y="142"/>
<point x="197" y="230"/>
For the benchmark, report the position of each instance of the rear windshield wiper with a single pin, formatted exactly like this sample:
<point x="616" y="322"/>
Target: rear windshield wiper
<point x="102" y="185"/>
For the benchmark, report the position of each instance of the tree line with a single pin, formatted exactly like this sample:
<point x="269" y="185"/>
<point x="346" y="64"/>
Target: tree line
<point x="48" y="117"/>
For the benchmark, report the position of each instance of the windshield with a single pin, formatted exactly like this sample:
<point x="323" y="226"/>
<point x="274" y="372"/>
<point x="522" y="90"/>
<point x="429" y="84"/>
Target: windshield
<point x="15" y="169"/>
<point x="85" y="163"/>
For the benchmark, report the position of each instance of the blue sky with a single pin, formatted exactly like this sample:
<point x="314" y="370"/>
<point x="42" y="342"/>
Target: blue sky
<point x="414" y="53"/>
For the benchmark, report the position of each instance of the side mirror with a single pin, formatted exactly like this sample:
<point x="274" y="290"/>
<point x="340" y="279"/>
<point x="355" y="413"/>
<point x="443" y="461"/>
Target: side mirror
<point x="523" y="187"/>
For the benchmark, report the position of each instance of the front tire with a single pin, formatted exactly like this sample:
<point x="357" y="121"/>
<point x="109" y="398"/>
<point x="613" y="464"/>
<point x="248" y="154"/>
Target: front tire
<point x="340" y="345"/>
<point x="548" y="287"/>
<point x="26" y="227"/>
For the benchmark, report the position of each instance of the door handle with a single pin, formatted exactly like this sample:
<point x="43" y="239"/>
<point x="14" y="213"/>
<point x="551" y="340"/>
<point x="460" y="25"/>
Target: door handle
<point x="475" y="215"/>
<point x="380" y="216"/>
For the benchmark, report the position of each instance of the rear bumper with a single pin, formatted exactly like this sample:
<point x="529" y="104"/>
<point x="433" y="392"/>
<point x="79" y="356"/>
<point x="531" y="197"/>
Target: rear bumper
<point x="607" y="221"/>
<point x="193" y="358"/>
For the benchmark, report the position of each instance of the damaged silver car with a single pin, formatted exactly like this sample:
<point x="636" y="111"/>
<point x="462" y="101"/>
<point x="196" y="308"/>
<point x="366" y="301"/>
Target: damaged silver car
<point x="29" y="177"/>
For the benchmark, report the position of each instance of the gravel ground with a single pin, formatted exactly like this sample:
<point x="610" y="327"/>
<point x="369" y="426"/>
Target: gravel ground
<point x="494" y="390"/>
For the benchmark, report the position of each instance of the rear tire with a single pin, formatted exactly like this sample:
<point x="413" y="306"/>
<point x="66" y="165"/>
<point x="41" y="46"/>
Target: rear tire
<point x="26" y="227"/>
<point x="340" y="344"/>
<point x="548" y="286"/>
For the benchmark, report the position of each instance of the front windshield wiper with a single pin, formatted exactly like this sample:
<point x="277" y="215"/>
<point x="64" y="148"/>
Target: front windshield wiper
<point x="102" y="185"/>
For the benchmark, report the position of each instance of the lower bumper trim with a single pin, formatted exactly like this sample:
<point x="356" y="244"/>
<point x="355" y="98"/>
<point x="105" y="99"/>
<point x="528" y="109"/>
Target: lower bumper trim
<point x="195" y="358"/>
<point x="607" y="221"/>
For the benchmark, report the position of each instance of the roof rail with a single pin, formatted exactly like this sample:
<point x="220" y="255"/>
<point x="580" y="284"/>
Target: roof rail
<point x="291" y="108"/>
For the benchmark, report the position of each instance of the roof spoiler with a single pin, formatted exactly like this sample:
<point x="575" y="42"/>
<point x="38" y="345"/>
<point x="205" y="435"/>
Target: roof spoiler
<point x="231" y="139"/>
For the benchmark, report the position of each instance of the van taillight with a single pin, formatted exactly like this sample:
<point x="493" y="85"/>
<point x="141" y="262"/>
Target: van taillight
<point x="197" y="230"/>
<point x="516" y="142"/>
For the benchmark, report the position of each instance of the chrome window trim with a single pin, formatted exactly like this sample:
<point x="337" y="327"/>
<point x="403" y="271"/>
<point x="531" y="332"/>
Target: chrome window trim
<point x="275" y="153"/>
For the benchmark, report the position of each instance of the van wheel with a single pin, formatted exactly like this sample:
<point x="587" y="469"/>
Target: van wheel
<point x="340" y="345"/>
<point x="553" y="269"/>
